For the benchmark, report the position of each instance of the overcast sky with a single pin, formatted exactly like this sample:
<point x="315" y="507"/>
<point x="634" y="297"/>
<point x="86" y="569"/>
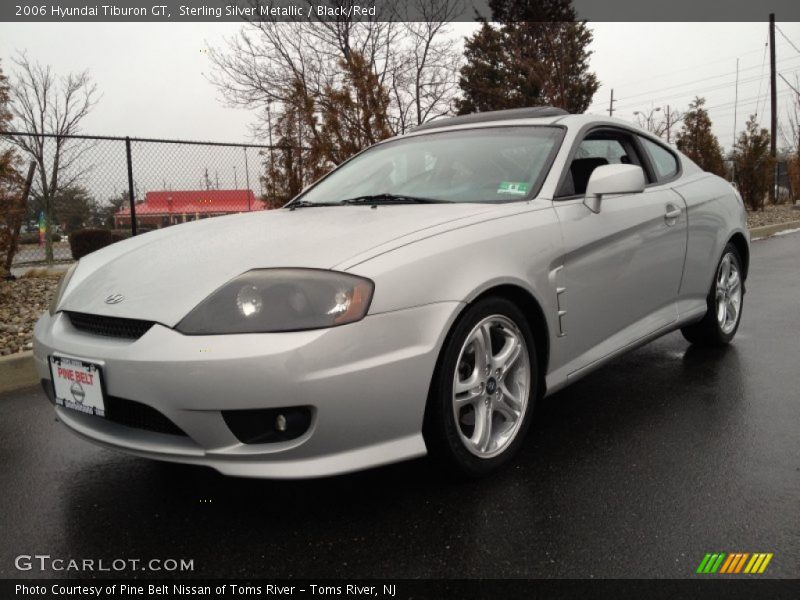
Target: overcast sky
<point x="153" y="76"/>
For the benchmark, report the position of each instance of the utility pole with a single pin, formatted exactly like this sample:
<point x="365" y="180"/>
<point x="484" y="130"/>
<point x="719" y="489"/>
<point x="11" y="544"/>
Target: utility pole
<point x="271" y="170"/>
<point x="611" y="104"/>
<point x="668" y="124"/>
<point x="773" y="86"/>
<point x="736" y="104"/>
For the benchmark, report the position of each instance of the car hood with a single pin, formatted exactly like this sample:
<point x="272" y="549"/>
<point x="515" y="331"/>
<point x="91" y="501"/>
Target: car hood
<point x="163" y="274"/>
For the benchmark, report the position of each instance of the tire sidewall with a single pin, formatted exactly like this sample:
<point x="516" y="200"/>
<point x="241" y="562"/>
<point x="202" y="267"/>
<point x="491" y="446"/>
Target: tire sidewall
<point x="441" y="430"/>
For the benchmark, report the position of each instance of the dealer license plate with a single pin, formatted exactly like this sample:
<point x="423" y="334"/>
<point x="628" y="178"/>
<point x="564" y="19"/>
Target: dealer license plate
<point x="78" y="385"/>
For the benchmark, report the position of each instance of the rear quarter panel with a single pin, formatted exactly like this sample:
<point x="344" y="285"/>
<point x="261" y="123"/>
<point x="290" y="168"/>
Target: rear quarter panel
<point x="715" y="214"/>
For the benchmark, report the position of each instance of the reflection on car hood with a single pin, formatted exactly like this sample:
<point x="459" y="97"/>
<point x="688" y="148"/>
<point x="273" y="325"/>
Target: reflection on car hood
<point x="163" y="274"/>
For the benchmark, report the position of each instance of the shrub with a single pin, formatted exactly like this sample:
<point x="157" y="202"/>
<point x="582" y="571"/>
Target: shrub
<point x="793" y="167"/>
<point x="85" y="241"/>
<point x="117" y="235"/>
<point x="753" y="163"/>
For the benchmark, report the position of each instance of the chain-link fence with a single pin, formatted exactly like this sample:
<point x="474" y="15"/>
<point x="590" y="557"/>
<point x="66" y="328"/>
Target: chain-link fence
<point x="786" y="184"/>
<point x="127" y="185"/>
<point x="787" y="188"/>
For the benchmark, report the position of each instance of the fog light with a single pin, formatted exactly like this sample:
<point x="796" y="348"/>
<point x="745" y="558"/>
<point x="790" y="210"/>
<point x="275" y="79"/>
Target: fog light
<point x="268" y="425"/>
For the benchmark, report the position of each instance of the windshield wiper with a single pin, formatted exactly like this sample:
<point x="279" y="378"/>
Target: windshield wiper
<point x="376" y="199"/>
<point x="305" y="204"/>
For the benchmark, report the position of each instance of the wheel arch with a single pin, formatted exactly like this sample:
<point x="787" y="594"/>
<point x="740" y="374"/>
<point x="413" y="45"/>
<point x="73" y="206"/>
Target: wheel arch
<point x="534" y="314"/>
<point x="743" y="248"/>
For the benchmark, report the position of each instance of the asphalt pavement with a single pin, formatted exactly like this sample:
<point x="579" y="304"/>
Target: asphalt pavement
<point x="638" y="470"/>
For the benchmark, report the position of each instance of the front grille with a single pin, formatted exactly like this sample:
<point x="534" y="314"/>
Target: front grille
<point x="139" y="416"/>
<point x="117" y="327"/>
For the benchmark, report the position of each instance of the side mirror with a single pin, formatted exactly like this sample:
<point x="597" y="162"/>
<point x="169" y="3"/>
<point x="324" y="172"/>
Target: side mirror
<point x="612" y="179"/>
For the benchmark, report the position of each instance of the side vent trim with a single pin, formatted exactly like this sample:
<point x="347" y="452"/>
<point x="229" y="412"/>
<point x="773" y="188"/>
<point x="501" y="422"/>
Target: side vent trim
<point x="555" y="275"/>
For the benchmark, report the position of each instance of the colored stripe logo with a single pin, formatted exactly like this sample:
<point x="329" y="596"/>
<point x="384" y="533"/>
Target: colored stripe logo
<point x="734" y="563"/>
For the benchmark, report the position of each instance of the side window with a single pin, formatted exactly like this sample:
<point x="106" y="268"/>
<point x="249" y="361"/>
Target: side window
<point x="610" y="150"/>
<point x="597" y="149"/>
<point x="664" y="162"/>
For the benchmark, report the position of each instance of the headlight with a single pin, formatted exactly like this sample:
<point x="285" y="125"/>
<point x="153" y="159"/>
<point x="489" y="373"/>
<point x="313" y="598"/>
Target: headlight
<point x="270" y="300"/>
<point x="62" y="285"/>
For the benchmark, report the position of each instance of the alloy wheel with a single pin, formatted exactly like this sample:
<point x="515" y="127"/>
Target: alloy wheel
<point x="729" y="293"/>
<point x="491" y="386"/>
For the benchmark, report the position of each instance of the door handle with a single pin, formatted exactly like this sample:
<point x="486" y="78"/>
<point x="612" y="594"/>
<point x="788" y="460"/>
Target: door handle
<point x="673" y="212"/>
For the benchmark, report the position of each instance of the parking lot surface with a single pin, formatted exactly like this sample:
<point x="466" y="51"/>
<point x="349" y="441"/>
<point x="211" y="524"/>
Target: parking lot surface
<point x="638" y="470"/>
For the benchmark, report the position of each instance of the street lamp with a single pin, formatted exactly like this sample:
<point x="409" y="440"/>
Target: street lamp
<point x="647" y="117"/>
<point x="646" y="120"/>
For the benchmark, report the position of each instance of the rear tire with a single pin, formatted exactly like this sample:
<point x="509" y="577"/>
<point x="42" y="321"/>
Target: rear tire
<point x="482" y="394"/>
<point x="724" y="304"/>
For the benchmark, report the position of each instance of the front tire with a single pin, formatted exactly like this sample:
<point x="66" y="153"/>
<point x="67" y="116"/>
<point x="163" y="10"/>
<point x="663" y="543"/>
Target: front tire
<point x="721" y="321"/>
<point x="483" y="391"/>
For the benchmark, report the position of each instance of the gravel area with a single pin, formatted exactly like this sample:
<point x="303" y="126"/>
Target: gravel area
<point x="772" y="215"/>
<point x="21" y="303"/>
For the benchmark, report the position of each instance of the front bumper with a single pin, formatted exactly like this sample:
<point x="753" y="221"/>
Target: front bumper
<point x="367" y="383"/>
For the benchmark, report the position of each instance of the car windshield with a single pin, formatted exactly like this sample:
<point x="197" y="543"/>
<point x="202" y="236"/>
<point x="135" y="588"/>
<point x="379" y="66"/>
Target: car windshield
<point x="497" y="164"/>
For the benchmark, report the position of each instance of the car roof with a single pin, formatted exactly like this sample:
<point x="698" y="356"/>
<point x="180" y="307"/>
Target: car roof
<point x="495" y="115"/>
<point x="509" y="118"/>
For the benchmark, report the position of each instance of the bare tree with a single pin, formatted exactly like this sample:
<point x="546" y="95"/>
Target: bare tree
<point x="790" y="134"/>
<point x="43" y="103"/>
<point x="658" y="122"/>
<point x="424" y="72"/>
<point x="268" y="61"/>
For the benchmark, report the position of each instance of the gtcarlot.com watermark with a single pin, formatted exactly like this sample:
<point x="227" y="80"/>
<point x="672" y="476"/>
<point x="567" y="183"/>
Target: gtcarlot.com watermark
<point x="46" y="563"/>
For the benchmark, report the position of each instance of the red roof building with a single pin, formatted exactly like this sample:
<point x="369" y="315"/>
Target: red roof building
<point x="161" y="209"/>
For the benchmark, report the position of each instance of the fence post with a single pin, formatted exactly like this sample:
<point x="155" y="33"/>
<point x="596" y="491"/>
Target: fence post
<point x="130" y="185"/>
<point x="247" y="178"/>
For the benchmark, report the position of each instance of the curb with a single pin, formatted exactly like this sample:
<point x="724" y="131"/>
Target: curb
<point x="770" y="230"/>
<point x="17" y="371"/>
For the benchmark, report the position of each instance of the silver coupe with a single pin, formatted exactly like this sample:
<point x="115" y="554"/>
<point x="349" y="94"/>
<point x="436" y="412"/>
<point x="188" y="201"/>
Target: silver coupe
<point x="418" y="299"/>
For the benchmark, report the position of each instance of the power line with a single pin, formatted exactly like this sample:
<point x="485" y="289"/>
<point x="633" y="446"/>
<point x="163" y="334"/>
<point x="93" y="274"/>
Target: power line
<point x="597" y="105"/>
<point x="787" y="39"/>
<point x="704" y="91"/>
<point x="786" y="81"/>
<point x="742" y="102"/>
<point x="694" y="67"/>
<point x="745" y="102"/>
<point x="763" y="60"/>
<point x="704" y="79"/>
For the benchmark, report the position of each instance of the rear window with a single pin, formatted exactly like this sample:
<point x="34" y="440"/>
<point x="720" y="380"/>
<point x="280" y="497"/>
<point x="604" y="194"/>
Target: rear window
<point x="664" y="162"/>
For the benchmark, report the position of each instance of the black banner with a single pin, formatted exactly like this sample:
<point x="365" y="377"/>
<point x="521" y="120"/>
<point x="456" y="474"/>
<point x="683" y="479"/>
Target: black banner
<point x="584" y="589"/>
<point x="379" y="10"/>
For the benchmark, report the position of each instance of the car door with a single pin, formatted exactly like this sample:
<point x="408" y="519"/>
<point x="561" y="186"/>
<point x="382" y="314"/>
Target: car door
<point x="621" y="267"/>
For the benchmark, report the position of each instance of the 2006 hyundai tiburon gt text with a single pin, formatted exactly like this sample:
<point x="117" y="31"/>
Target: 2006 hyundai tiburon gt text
<point x="419" y="298"/>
